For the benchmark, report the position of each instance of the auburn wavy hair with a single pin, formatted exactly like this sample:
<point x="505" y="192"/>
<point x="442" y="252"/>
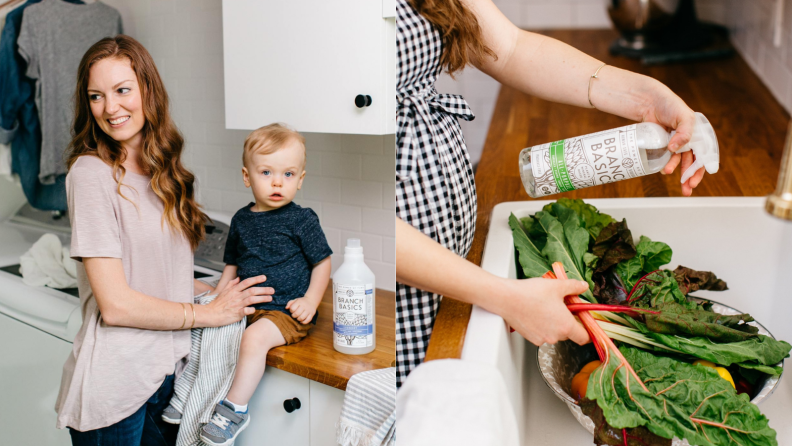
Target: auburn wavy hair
<point x="460" y="31"/>
<point x="162" y="147"/>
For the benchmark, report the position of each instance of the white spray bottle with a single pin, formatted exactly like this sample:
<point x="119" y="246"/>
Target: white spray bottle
<point x="612" y="155"/>
<point x="354" y="325"/>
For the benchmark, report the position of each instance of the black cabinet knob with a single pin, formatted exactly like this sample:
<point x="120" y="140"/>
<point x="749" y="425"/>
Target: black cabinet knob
<point x="362" y="100"/>
<point x="292" y="405"/>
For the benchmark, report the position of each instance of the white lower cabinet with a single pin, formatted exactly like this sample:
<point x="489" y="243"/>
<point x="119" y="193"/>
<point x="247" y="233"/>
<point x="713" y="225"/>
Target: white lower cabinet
<point x="313" y="424"/>
<point x="270" y="423"/>
<point x="31" y="362"/>
<point x="326" y="404"/>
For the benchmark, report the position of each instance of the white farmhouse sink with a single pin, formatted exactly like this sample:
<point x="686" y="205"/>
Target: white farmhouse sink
<point x="731" y="236"/>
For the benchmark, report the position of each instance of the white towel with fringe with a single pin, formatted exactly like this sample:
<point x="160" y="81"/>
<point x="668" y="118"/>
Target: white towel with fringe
<point x="207" y="377"/>
<point x="48" y="263"/>
<point x="368" y="415"/>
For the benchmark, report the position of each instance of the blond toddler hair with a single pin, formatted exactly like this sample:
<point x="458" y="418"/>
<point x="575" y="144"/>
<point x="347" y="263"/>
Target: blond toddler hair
<point x="269" y="139"/>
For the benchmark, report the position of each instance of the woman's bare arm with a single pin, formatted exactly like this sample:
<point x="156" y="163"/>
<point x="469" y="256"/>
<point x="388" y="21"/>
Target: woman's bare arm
<point x="200" y="287"/>
<point x="533" y="307"/>
<point x="120" y="305"/>
<point x="552" y="70"/>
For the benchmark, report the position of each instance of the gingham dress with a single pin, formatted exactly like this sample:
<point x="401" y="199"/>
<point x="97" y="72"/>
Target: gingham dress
<point x="434" y="180"/>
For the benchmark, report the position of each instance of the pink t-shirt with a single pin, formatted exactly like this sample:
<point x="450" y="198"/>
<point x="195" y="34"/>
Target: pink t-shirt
<point x="113" y="371"/>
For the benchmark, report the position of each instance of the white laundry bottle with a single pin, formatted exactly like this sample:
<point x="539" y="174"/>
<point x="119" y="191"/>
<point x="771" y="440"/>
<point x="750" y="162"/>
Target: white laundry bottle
<point x="612" y="155"/>
<point x="354" y="325"/>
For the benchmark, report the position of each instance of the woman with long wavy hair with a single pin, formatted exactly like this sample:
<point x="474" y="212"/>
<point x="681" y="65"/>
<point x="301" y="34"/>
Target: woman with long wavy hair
<point x="135" y="225"/>
<point x="435" y="193"/>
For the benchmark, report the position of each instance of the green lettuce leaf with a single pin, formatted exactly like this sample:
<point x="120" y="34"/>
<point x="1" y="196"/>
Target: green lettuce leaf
<point x="531" y="260"/>
<point x="558" y="249"/>
<point x="593" y="220"/>
<point x="757" y="351"/>
<point x="657" y="288"/>
<point x="576" y="235"/>
<point x="650" y="256"/>
<point x="683" y="401"/>
<point x="679" y="319"/>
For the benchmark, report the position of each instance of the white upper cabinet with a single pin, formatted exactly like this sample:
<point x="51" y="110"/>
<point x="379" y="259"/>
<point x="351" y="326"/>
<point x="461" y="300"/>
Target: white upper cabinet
<point x="325" y="66"/>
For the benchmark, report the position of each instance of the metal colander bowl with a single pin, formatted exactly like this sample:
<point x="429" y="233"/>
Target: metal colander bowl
<point x="560" y="362"/>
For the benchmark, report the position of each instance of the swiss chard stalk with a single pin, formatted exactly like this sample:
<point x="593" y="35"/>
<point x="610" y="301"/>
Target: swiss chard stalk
<point x="634" y="312"/>
<point x="671" y="398"/>
<point x="606" y="350"/>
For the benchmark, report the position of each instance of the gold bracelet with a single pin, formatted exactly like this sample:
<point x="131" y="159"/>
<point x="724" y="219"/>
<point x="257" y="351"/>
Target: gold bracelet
<point x="185" y="316"/>
<point x="591" y="79"/>
<point x="193" y="322"/>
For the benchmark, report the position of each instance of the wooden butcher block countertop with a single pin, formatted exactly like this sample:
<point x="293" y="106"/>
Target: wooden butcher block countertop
<point x="314" y="357"/>
<point x="750" y="124"/>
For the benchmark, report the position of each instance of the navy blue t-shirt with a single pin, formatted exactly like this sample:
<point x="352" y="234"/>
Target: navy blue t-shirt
<point x="283" y="244"/>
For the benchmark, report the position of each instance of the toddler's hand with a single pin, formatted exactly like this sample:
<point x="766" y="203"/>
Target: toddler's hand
<point x="301" y="309"/>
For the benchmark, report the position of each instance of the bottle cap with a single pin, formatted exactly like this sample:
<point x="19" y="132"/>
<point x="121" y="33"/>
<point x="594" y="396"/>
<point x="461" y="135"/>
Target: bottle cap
<point x="353" y="246"/>
<point x="704" y="145"/>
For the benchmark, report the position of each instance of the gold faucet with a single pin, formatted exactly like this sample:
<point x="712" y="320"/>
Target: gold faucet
<point x="779" y="203"/>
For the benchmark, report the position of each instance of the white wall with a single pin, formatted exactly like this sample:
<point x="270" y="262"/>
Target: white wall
<point x="752" y="24"/>
<point x="350" y="178"/>
<point x="481" y="91"/>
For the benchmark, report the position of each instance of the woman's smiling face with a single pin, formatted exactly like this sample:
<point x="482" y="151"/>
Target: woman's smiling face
<point x="116" y="101"/>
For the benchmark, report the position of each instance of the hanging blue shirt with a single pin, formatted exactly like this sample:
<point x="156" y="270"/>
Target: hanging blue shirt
<point x="19" y="122"/>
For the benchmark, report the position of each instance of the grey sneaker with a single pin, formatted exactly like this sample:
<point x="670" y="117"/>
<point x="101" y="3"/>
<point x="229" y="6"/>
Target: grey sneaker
<point x="224" y="426"/>
<point x="171" y="415"/>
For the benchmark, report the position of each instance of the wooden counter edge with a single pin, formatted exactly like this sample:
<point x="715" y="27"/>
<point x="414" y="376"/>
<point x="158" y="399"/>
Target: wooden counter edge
<point x="323" y="376"/>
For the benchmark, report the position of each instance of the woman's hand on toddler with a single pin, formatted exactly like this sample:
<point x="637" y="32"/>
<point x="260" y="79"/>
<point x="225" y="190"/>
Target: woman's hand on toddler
<point x="301" y="309"/>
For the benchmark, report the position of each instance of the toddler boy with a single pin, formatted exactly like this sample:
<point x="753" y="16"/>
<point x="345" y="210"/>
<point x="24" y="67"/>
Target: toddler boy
<point x="279" y="239"/>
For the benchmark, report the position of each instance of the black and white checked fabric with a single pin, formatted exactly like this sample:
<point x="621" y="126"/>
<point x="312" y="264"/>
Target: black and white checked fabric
<point x="435" y="192"/>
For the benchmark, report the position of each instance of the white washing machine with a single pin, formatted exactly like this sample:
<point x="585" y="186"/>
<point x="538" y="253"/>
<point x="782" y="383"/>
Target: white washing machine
<point x="38" y="324"/>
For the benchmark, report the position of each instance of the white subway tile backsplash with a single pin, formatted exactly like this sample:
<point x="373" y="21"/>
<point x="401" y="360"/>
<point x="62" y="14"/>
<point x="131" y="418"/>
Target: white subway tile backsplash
<point x="342" y="165"/>
<point x="776" y="73"/>
<point x="372" y="244"/>
<point x="343" y="217"/>
<point x="333" y="237"/>
<point x="389" y="195"/>
<point x="231" y="156"/>
<point x="366" y="144"/>
<point x="234" y="201"/>
<point x="389" y="250"/>
<point x="380" y="168"/>
<point x="327" y="190"/>
<point x="361" y="193"/>
<point x="322" y="142"/>
<point x="211" y="198"/>
<point x="223" y="178"/>
<point x="377" y="221"/>
<point x="385" y="273"/>
<point x="207" y="155"/>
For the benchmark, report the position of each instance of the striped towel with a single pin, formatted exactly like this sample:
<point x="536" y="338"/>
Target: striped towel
<point x="368" y="415"/>
<point x="207" y="377"/>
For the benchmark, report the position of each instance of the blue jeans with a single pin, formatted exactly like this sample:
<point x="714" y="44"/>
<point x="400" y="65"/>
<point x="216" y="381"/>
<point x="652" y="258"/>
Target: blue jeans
<point x="143" y="428"/>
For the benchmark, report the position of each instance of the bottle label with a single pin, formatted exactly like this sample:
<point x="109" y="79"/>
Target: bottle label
<point x="353" y="319"/>
<point x="585" y="161"/>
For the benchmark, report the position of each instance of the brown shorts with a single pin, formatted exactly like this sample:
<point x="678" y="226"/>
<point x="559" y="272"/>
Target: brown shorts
<point x="291" y="329"/>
